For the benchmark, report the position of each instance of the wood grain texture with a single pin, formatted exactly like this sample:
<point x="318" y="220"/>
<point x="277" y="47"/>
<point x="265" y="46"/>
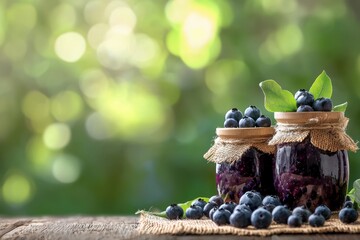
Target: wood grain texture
<point x="74" y="227"/>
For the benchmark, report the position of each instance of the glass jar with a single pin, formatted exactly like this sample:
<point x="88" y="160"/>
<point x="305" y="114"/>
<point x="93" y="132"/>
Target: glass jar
<point x="312" y="165"/>
<point x="244" y="162"/>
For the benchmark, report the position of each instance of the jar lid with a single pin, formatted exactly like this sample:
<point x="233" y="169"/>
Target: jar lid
<point x="255" y="132"/>
<point x="307" y="117"/>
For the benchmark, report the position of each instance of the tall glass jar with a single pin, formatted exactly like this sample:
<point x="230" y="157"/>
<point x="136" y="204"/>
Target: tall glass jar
<point x="244" y="161"/>
<point x="312" y="165"/>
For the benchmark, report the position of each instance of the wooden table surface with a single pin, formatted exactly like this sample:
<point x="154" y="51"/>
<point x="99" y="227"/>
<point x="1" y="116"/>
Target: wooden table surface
<point x="112" y="227"/>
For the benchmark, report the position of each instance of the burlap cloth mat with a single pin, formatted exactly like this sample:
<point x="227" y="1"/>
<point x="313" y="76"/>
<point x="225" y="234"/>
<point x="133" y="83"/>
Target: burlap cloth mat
<point x="149" y="224"/>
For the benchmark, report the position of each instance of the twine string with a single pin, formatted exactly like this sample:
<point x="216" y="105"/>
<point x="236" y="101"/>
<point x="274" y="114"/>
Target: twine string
<point x="289" y="127"/>
<point x="240" y="141"/>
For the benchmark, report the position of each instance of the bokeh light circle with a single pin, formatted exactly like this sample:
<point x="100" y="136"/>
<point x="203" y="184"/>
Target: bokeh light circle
<point x="70" y="46"/>
<point x="16" y="189"/>
<point x="66" y="168"/>
<point x="57" y="136"/>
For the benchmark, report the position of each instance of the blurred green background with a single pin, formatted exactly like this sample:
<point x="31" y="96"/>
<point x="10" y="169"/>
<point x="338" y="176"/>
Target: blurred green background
<point x="107" y="107"/>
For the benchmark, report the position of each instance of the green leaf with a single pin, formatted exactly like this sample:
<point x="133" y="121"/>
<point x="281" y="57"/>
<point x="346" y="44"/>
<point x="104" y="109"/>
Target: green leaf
<point x="357" y="190"/>
<point x="340" y="107"/>
<point x="184" y="206"/>
<point x="354" y="194"/>
<point x="351" y="194"/>
<point x="322" y="86"/>
<point x="277" y="99"/>
<point x="159" y="214"/>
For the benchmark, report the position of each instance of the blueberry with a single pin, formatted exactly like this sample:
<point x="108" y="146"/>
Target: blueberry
<point x="271" y="199"/>
<point x="221" y="216"/>
<point x="240" y="219"/>
<point x="252" y="112"/>
<point x="216" y="198"/>
<point x="304" y="97"/>
<point x="316" y="220"/>
<point x="270" y="207"/>
<point x="348" y="204"/>
<point x="304" y="108"/>
<point x="230" y="206"/>
<point x="210" y="205"/>
<point x="252" y="199"/>
<point x="231" y="123"/>
<point x="233" y="113"/>
<point x="211" y="212"/>
<point x="194" y="212"/>
<point x="280" y="214"/>
<point x="174" y="211"/>
<point x="323" y="104"/>
<point x="324" y="211"/>
<point x="298" y="93"/>
<point x="257" y="193"/>
<point x="263" y="121"/>
<point x="243" y="207"/>
<point x="199" y="202"/>
<point x="246" y="122"/>
<point x="261" y="218"/>
<point x="348" y="215"/>
<point x="294" y="221"/>
<point x="303" y="212"/>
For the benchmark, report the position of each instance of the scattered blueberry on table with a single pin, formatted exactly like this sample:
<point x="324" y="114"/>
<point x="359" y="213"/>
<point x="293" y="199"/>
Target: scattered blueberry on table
<point x="323" y="210"/>
<point x="261" y="218"/>
<point x="294" y="221"/>
<point x="174" y="211"/>
<point x="303" y="212"/>
<point x="194" y="212"/>
<point x="280" y="214"/>
<point x="348" y="214"/>
<point x="221" y="216"/>
<point x="253" y="210"/>
<point x="316" y="220"/>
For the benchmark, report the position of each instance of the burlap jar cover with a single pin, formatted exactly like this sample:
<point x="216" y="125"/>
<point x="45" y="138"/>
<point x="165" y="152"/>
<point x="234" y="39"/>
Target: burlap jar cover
<point x="326" y="130"/>
<point x="231" y="143"/>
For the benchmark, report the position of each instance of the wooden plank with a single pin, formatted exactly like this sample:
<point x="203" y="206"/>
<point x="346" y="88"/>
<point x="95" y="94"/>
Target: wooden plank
<point x="113" y="227"/>
<point x="78" y="227"/>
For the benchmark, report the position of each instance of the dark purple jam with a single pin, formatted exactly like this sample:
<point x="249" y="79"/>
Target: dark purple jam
<point x="253" y="171"/>
<point x="306" y="175"/>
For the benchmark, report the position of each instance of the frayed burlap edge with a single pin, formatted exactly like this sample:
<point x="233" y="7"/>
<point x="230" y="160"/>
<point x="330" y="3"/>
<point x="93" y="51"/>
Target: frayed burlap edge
<point x="231" y="150"/>
<point x="149" y="224"/>
<point x="327" y="137"/>
<point x="332" y="140"/>
<point x="286" y="137"/>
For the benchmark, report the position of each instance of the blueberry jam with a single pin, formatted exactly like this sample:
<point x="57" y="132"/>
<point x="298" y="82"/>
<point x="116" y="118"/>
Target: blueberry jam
<point x="306" y="175"/>
<point x="253" y="171"/>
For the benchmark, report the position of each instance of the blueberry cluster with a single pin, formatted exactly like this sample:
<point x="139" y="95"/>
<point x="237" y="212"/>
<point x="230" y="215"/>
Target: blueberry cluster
<point x="252" y="118"/>
<point x="302" y="214"/>
<point x="253" y="210"/>
<point x="306" y="103"/>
